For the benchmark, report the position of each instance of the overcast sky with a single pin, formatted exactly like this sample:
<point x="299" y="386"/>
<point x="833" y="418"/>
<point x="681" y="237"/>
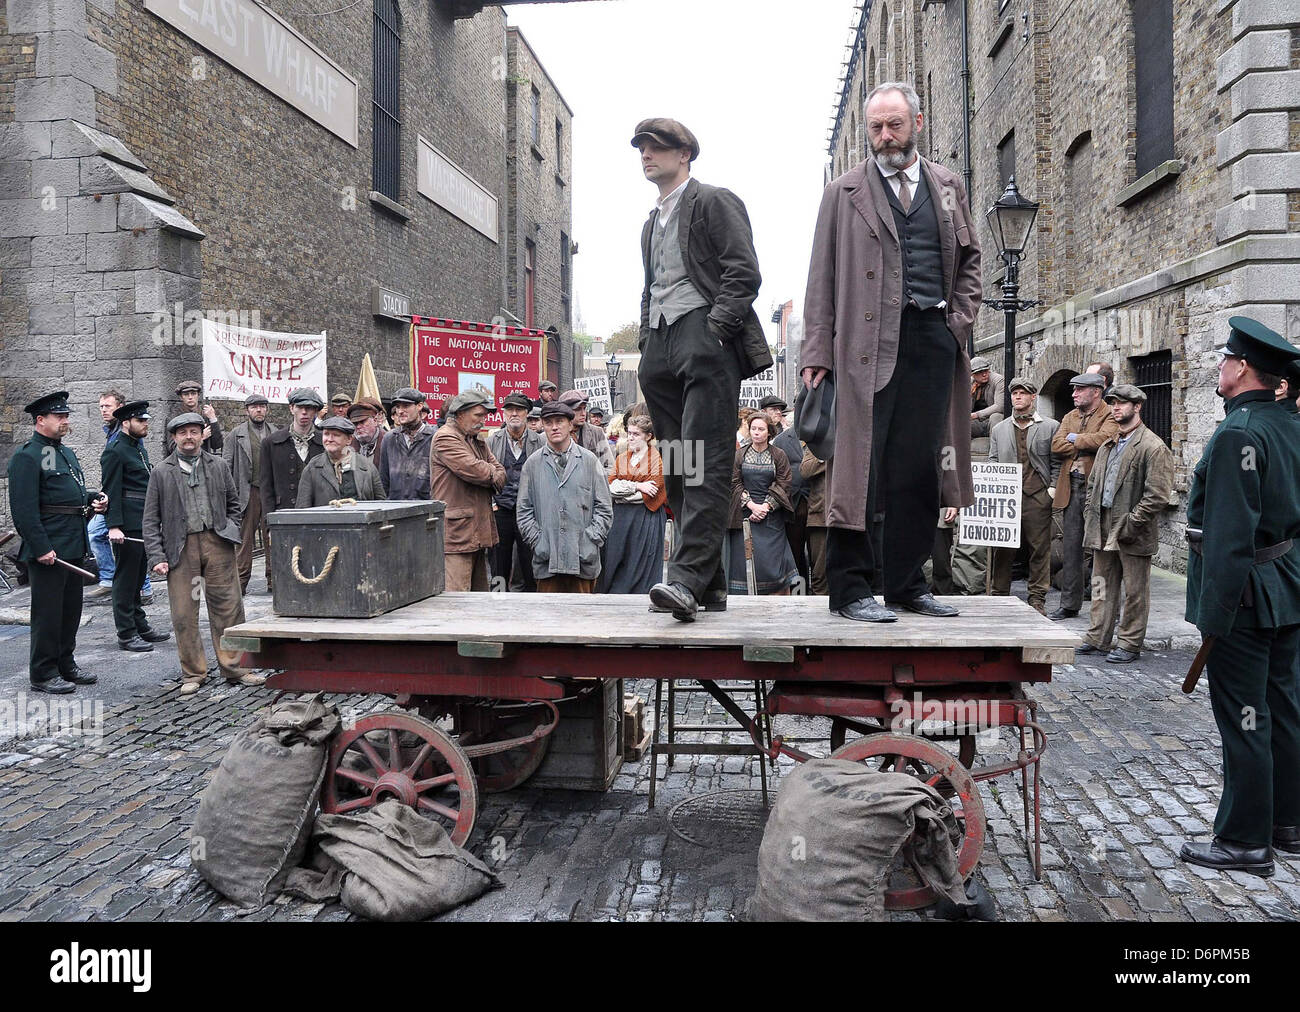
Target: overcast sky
<point x="755" y="80"/>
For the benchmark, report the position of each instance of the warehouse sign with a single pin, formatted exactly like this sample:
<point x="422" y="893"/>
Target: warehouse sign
<point x="238" y="361"/>
<point x="394" y="305"/>
<point x="451" y="188"/>
<point x="449" y="357"/>
<point x="994" y="518"/>
<point x="259" y="44"/>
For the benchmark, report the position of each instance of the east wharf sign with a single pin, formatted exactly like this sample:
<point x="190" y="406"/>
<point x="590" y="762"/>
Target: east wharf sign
<point x="260" y="44"/>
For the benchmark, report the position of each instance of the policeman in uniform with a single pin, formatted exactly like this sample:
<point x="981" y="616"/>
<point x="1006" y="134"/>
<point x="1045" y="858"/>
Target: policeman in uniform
<point x="49" y="503"/>
<point x="1243" y="589"/>
<point x="125" y="467"/>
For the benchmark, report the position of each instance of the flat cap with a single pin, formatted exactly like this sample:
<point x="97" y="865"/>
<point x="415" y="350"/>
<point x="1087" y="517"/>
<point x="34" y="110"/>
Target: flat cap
<point x="338" y="422"/>
<point x="185" y="386"/>
<point x="1292" y="376"/>
<point x="305" y="397"/>
<point x="552" y="408"/>
<point x="1126" y="392"/>
<point x="547" y="385"/>
<point x="573" y="398"/>
<point x="517" y="400"/>
<point x="186" y="418"/>
<point x="1261" y="346"/>
<point x="536" y="411"/>
<point x="468" y="399"/>
<point x="772" y="401"/>
<point x="980" y="364"/>
<point x="133" y="409"/>
<point x="340" y="398"/>
<point x="1089" y="379"/>
<point x="408" y="395"/>
<point x="51" y="404"/>
<point x="1021" y="383"/>
<point x="252" y="399"/>
<point x="667" y="133"/>
<point x="363" y="405"/>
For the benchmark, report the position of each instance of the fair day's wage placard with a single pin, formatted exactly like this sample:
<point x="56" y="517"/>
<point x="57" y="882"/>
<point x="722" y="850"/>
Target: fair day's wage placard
<point x="994" y="518"/>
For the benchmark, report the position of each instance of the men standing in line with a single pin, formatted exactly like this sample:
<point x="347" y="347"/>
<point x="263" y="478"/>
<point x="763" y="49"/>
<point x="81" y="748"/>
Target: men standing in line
<point x="285" y="453"/>
<point x="49" y="503"/>
<point x="125" y="468"/>
<point x="404" y="455"/>
<point x="588" y="436"/>
<point x="1026" y="439"/>
<point x="242" y="453"/>
<point x="565" y="509"/>
<point x="364" y="414"/>
<point x="1081" y="432"/>
<point x="464" y="474"/>
<point x="699" y="338"/>
<point x="191" y="527"/>
<point x="1129" y="486"/>
<point x="1243" y="594"/>
<point x="893" y="289"/>
<point x="97" y="529"/>
<point x="339" y="472"/>
<point x="511" y="445"/>
<point x="190" y="393"/>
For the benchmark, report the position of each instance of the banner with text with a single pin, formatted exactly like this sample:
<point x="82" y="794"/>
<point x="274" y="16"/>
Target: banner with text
<point x="451" y="356"/>
<point x="994" y="518"/>
<point x="238" y="361"/>
<point x="597" y="390"/>
<point x="757" y="387"/>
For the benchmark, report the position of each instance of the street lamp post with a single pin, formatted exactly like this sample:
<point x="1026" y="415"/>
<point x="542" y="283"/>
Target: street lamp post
<point x="1012" y="221"/>
<point x="611" y="370"/>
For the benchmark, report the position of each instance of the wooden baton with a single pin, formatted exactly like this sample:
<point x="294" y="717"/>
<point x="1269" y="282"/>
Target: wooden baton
<point x="76" y="569"/>
<point x="1198" y="665"/>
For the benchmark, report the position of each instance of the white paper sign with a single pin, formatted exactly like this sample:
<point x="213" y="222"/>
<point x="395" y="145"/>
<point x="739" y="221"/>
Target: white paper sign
<point x="757" y="387"/>
<point x="994" y="518"/>
<point x="597" y="390"/>
<point x="238" y="361"/>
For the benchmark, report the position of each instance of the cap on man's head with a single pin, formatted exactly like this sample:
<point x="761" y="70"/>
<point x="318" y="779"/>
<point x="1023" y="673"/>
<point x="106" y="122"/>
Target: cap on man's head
<point x="253" y="399"/>
<point x="305" y="397"/>
<point x="360" y="407"/>
<point x="980" y="364"/>
<point x="408" y="395"/>
<point x="186" y="418"/>
<point x="1261" y="346"/>
<point x="189" y="387"/>
<point x="469" y="399"/>
<point x="1022" y="383"/>
<point x="546" y="385"/>
<point x="772" y="401"/>
<point x="535" y="411"/>
<point x="573" y="398"/>
<point x="553" y="408"/>
<point x="133" y="409"/>
<point x="340" y="398"/>
<point x="667" y="133"/>
<point x="1292" y="376"/>
<point x="1126" y="392"/>
<point x="338" y="422"/>
<point x="50" y="404"/>
<point x="1089" y="379"/>
<point x="517" y="400"/>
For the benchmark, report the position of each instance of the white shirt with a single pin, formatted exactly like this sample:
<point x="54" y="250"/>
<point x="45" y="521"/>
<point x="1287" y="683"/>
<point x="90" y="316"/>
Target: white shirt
<point x="665" y="205"/>
<point x="912" y="172"/>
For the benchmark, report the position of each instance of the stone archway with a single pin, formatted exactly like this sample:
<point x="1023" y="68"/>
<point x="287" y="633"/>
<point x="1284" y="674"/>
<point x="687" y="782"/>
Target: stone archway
<point x="1054" y="395"/>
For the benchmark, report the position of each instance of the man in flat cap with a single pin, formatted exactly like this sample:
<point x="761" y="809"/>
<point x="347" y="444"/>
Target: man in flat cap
<point x="546" y="391"/>
<point x="1129" y="486"/>
<point x="893" y="289"/>
<point x="286" y="453"/>
<point x="49" y="504"/>
<point x="339" y="405"/>
<point x="190" y="393"/>
<point x="1288" y="390"/>
<point x="565" y="508"/>
<point x="366" y="414"/>
<point x="1081" y="432"/>
<point x="588" y="436"/>
<point x="774" y="409"/>
<point x="404" y="453"/>
<point x="512" y="444"/>
<point x="339" y="472"/>
<point x="535" y="419"/>
<point x="1026" y="439"/>
<point x="699" y="338"/>
<point x="242" y="453"/>
<point x="125" y="468"/>
<point x="987" y="397"/>
<point x="1243" y="594"/>
<point x="464" y="474"/>
<point x="191" y="529"/>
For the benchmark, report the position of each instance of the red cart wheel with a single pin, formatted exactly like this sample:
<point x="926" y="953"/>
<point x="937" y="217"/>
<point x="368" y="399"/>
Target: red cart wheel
<point x="484" y="724"/>
<point x="906" y="753"/>
<point x="417" y="764"/>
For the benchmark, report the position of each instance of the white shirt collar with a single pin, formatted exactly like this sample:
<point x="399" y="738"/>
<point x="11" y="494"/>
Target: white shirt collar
<point x="912" y="172"/>
<point x="665" y="205"/>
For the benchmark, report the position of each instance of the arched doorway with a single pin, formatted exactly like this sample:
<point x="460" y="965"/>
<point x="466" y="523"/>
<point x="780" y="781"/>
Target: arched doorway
<point x="1055" y="398"/>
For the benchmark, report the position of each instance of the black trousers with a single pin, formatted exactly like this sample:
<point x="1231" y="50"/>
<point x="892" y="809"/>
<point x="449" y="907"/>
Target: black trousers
<point x="909" y="419"/>
<point x="1072" y="554"/>
<point x="691" y="383"/>
<point x="56" y="614"/>
<point x="503" y="552"/>
<point x="128" y="579"/>
<point x="796" y="532"/>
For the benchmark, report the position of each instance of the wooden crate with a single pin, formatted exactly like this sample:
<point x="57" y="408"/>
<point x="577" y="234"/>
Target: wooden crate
<point x="586" y="749"/>
<point x="389" y="554"/>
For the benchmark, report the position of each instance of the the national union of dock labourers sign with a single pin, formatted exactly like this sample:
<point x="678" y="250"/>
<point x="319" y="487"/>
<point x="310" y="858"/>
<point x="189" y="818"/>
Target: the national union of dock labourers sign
<point x="453" y="189"/>
<point x="238" y="361"/>
<point x="451" y="356"/>
<point x="259" y="43"/>
<point x="994" y="518"/>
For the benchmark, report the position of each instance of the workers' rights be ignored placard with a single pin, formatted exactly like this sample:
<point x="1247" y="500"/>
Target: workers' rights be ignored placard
<point x="994" y="518"/>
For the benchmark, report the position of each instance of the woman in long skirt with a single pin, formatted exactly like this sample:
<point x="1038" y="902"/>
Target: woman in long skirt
<point x="760" y="493"/>
<point x="634" y="552"/>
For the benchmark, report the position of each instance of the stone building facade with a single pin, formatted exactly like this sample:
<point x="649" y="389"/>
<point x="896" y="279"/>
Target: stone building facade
<point x="1161" y="139"/>
<point x="149" y="171"/>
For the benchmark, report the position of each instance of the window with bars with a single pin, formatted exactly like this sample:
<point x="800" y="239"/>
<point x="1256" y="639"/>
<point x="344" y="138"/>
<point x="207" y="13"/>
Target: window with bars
<point x="565" y="274"/>
<point x="537" y="117"/>
<point x="386" y="162"/>
<point x="1154" y="375"/>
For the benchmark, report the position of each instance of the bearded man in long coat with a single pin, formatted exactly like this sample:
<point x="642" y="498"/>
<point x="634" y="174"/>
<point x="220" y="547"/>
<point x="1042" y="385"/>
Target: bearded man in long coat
<point x="893" y="289"/>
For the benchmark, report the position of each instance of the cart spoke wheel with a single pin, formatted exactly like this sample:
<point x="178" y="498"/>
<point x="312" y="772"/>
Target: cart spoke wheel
<point x="503" y="771"/>
<point x="357" y="777"/>
<point x="941" y="770"/>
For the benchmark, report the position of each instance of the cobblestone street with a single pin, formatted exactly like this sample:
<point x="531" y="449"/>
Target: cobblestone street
<point x="99" y="829"/>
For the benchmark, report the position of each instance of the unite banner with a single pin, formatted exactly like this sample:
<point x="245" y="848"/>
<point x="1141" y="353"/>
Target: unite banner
<point x="449" y="357"/>
<point x="238" y="361"/>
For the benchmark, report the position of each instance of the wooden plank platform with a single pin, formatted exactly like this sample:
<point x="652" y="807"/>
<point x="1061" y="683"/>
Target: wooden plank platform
<point x="760" y="625"/>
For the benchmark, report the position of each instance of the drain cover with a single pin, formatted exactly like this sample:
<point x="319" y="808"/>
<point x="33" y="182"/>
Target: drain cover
<point x="721" y="819"/>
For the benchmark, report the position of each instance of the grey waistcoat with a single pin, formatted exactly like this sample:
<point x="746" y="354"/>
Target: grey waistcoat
<point x="918" y="231"/>
<point x="672" y="295"/>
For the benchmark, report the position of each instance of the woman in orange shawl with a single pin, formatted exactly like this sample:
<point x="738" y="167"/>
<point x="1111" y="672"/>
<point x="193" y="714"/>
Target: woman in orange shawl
<point x="634" y="552"/>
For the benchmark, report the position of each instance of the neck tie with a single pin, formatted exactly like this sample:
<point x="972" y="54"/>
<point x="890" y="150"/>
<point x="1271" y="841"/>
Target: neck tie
<point x="904" y="194"/>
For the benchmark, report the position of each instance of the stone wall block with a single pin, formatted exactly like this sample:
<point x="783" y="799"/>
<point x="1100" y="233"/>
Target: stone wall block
<point x="37" y="99"/>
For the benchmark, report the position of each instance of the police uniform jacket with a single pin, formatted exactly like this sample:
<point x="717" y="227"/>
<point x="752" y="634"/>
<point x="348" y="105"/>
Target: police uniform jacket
<point x="125" y="467"/>
<point x="43" y="473"/>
